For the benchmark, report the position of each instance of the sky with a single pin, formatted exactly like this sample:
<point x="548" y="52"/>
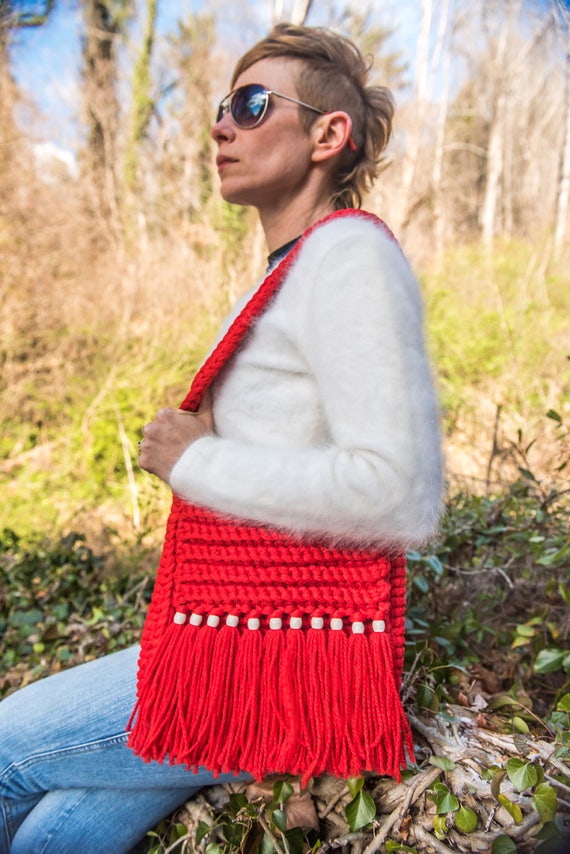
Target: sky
<point x="46" y="60"/>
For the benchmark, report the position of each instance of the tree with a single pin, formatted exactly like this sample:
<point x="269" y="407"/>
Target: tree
<point x="297" y="15"/>
<point x="142" y="99"/>
<point x="442" y="49"/>
<point x="104" y="21"/>
<point x="563" y="187"/>
<point x="14" y="15"/>
<point x="408" y="199"/>
<point x="185" y="163"/>
<point x="495" y="148"/>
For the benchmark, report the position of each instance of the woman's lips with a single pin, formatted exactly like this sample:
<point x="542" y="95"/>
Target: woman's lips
<point x="222" y="161"/>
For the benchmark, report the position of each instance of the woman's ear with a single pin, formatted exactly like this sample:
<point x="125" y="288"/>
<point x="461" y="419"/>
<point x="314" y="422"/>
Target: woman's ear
<point x="331" y="135"/>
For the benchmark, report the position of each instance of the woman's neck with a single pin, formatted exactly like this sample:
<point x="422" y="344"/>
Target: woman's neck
<point x="281" y="226"/>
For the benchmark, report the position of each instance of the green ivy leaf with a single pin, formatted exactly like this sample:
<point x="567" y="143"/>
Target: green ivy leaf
<point x="526" y="631"/>
<point x="503" y="845"/>
<point x="234" y="832"/>
<point x="545" y="802"/>
<point x="237" y="802"/>
<point x="520" y="725"/>
<point x="442" y="762"/>
<point x="392" y="845"/>
<point x="549" y="660"/>
<point x="465" y="820"/>
<point x="202" y="831"/>
<point x="180" y="830"/>
<point x="360" y="811"/>
<point x="295" y="840"/>
<point x="445" y="801"/>
<point x="434" y="563"/>
<point x="563" y="705"/>
<point x="439" y="789"/>
<point x="440" y="826"/>
<point x="523" y="775"/>
<point x="279" y="819"/>
<point x="427" y="698"/>
<point x="550" y="831"/>
<point x="354" y="785"/>
<point x="513" y="809"/>
<point x="266" y="846"/>
<point x="421" y="583"/>
<point x="282" y="791"/>
<point x="500" y="700"/>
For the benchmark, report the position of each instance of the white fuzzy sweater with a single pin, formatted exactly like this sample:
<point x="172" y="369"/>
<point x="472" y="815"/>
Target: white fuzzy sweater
<point x="326" y="419"/>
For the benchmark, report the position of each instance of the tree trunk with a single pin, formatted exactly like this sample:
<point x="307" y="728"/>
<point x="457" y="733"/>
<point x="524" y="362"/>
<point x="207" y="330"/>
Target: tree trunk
<point x="495" y="151"/>
<point x="101" y="103"/>
<point x="495" y="159"/>
<point x="298" y="14"/>
<point x="301" y="9"/>
<point x="564" y="170"/>
<point x="437" y="174"/>
<point x="7" y="95"/>
<point x="142" y="101"/>
<point x="420" y="109"/>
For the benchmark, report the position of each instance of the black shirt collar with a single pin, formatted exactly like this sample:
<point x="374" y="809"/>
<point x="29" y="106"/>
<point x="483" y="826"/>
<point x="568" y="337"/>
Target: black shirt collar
<point x="279" y="254"/>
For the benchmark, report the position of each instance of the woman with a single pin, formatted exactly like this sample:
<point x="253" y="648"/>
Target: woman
<point x="303" y="462"/>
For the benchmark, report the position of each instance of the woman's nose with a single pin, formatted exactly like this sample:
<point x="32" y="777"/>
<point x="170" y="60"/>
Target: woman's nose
<point x="223" y="129"/>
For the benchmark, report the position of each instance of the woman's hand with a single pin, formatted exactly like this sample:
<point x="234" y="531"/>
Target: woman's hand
<point x="167" y="437"/>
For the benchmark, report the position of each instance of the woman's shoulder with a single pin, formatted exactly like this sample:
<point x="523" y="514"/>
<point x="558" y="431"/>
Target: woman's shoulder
<point x="351" y="259"/>
<point x="353" y="232"/>
<point x="348" y="223"/>
<point x="354" y="237"/>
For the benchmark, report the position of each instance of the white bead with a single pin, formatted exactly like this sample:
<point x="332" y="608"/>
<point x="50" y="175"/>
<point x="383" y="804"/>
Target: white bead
<point x="275" y="623"/>
<point x="296" y="622"/>
<point x="357" y="628"/>
<point x="179" y="618"/>
<point x="232" y="620"/>
<point x="213" y="621"/>
<point x="317" y="622"/>
<point x="336" y="624"/>
<point x="195" y="619"/>
<point x="379" y="625"/>
<point x="253" y="623"/>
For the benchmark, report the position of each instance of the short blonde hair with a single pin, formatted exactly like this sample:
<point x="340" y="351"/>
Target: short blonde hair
<point x="334" y="77"/>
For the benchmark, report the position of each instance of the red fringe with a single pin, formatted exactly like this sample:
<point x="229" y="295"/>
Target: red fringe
<point x="296" y="701"/>
<point x="318" y="679"/>
<point x="244" y="696"/>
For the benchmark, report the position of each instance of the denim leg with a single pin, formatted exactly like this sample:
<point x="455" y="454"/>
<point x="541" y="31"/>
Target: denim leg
<point x="68" y="782"/>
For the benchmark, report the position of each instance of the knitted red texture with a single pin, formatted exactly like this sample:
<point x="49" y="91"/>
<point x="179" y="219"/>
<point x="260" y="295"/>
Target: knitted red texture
<point x="267" y="653"/>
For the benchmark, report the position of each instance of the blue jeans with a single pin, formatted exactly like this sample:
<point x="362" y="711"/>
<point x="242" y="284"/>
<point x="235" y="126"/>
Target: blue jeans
<point x="68" y="782"/>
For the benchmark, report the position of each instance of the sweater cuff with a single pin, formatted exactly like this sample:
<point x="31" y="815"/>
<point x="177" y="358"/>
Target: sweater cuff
<point x="183" y="476"/>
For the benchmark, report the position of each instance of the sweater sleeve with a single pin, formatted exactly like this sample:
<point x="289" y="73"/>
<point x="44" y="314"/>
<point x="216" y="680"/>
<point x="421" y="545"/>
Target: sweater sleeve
<point x="376" y="476"/>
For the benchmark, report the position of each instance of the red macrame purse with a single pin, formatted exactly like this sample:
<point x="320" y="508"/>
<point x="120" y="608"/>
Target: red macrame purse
<point x="264" y="652"/>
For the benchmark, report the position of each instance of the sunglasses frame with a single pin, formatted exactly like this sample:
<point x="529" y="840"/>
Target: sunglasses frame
<point x="225" y="107"/>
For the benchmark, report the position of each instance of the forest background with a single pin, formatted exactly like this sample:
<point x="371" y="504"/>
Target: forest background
<point x="118" y="259"/>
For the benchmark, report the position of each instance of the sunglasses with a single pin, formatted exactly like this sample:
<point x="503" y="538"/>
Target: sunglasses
<point x="248" y="106"/>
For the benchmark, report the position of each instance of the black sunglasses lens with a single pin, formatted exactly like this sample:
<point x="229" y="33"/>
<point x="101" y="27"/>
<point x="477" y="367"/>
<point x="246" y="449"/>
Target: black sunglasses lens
<point x="248" y="105"/>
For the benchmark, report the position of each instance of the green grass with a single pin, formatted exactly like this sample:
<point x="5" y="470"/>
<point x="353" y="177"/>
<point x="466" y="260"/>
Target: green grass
<point x="498" y="331"/>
